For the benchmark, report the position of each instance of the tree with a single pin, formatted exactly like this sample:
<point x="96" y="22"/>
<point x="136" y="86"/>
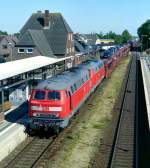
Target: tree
<point x="3" y="33"/>
<point x="110" y="35"/>
<point x="144" y="34"/>
<point x="126" y="36"/>
<point x="119" y="39"/>
<point x="100" y="35"/>
<point x="17" y="35"/>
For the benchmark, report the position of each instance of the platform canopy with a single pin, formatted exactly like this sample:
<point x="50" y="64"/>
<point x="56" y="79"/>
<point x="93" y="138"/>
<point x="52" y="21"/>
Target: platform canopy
<point x="13" y="68"/>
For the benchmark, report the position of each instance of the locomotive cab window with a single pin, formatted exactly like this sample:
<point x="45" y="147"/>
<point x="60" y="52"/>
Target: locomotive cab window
<point x="53" y="95"/>
<point x="39" y="95"/>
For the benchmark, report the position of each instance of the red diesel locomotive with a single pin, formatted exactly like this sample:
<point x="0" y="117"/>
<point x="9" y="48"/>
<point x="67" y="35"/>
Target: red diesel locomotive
<point x="55" y="100"/>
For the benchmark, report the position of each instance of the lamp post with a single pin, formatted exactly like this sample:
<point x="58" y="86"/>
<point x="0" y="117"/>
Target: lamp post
<point x="11" y="48"/>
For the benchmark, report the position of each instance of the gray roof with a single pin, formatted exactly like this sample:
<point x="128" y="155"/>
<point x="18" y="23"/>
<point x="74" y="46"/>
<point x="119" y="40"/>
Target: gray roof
<point x="91" y="38"/>
<point x="26" y="40"/>
<point x="78" y="46"/>
<point x="32" y="23"/>
<point x="68" y="78"/>
<point x="41" y="42"/>
<point x="2" y="37"/>
<point x="10" y="39"/>
<point x="80" y="43"/>
<point x="56" y="34"/>
<point x="36" y="38"/>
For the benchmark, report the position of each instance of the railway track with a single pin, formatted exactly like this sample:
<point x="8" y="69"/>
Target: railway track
<point x="38" y="150"/>
<point x="123" y="149"/>
<point x="30" y="154"/>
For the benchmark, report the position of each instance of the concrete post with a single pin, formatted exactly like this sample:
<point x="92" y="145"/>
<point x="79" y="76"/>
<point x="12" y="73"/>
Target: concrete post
<point x="44" y="76"/>
<point x="1" y="105"/>
<point x="54" y="70"/>
<point x="27" y="92"/>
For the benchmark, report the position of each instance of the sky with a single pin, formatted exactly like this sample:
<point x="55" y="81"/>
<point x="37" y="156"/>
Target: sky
<point x="83" y="16"/>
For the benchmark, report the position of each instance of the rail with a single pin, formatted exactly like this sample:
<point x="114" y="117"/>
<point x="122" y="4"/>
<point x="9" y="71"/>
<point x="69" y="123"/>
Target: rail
<point x="122" y="153"/>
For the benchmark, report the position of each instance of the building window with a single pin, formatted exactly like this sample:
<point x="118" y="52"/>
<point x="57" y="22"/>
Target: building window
<point x="21" y="50"/>
<point x="67" y="50"/>
<point x="70" y="50"/>
<point x="5" y="46"/>
<point x="25" y="50"/>
<point x="70" y="37"/>
<point x="29" y="50"/>
<point x="73" y="49"/>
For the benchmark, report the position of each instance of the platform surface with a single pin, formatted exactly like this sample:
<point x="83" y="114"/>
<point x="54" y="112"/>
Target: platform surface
<point x="12" y="129"/>
<point x="145" y="67"/>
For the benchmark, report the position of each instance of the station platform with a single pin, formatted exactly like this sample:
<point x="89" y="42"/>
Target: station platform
<point x="12" y="129"/>
<point x="145" y="67"/>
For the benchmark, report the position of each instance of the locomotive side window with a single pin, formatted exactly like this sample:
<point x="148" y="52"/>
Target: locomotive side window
<point x="87" y="77"/>
<point x="75" y="86"/>
<point x="53" y="95"/>
<point x="78" y="84"/>
<point x="39" y="95"/>
<point x="72" y="89"/>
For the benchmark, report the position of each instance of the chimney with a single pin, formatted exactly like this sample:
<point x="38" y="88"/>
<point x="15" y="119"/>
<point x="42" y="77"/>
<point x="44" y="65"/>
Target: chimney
<point x="46" y="19"/>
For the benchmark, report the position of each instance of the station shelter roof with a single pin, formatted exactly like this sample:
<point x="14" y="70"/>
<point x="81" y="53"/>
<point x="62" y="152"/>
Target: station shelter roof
<point x="13" y="68"/>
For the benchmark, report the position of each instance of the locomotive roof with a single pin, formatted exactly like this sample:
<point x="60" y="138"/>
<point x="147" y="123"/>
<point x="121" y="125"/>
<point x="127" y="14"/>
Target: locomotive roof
<point x="69" y="77"/>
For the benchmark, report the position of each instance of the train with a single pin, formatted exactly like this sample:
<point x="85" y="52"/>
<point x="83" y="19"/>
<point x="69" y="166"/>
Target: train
<point x="56" y="100"/>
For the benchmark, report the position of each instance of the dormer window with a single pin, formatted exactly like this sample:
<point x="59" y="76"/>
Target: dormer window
<point x="29" y="50"/>
<point x="21" y="50"/>
<point x="25" y="50"/>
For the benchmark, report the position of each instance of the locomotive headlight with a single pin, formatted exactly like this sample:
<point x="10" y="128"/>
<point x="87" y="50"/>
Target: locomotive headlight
<point x="55" y="109"/>
<point x="34" y="114"/>
<point x="36" y="108"/>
